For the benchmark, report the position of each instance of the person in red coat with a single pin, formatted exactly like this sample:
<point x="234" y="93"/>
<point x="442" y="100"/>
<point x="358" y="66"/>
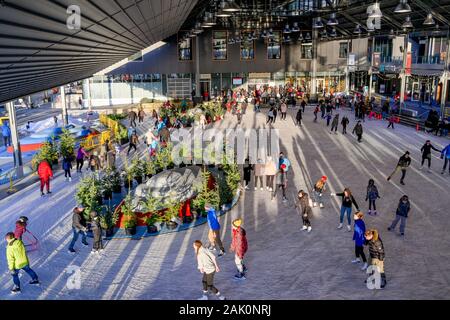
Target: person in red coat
<point x="21" y="227"/>
<point x="239" y="245"/>
<point x="45" y="173"/>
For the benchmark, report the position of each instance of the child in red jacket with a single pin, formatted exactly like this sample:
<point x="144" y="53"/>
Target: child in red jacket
<point x="21" y="227"/>
<point x="239" y="245"/>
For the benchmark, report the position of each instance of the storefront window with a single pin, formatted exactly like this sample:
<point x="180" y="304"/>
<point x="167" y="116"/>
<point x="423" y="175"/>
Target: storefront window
<point x="247" y="47"/>
<point x="343" y="50"/>
<point x="306" y="51"/>
<point x="219" y="45"/>
<point x="185" y="50"/>
<point x="274" y="46"/>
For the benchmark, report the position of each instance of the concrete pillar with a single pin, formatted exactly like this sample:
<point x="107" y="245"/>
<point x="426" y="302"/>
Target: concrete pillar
<point x="197" y="67"/>
<point x="371" y="70"/>
<point x="444" y="80"/>
<point x="87" y="94"/>
<point x="17" y="153"/>
<point x="403" y="73"/>
<point x="313" y="94"/>
<point x="64" y="106"/>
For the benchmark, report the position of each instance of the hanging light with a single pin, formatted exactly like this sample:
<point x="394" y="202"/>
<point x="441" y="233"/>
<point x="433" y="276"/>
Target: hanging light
<point x="287" y="39"/>
<point x="205" y="23"/>
<point x="333" y="21"/>
<point x="333" y="33"/>
<point x="318" y="24"/>
<point x="437" y="30"/>
<point x="264" y="34"/>
<point x="375" y="11"/>
<point x="287" y="29"/>
<point x="407" y="24"/>
<point x="211" y="19"/>
<point x="391" y="34"/>
<point x="192" y="34"/>
<point x="295" y="27"/>
<point x="403" y="7"/>
<point x="230" y="6"/>
<point x="222" y="13"/>
<point x="198" y="28"/>
<point x="300" y="37"/>
<point x="231" y="41"/>
<point x="308" y="36"/>
<point x="429" y="21"/>
<point x="358" y="29"/>
<point x="270" y="33"/>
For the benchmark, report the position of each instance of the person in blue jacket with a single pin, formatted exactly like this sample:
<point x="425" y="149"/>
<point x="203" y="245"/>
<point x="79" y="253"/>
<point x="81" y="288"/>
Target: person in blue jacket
<point x="445" y="154"/>
<point x="285" y="161"/>
<point x="401" y="215"/>
<point x="358" y="237"/>
<point x="214" y="230"/>
<point x="6" y="133"/>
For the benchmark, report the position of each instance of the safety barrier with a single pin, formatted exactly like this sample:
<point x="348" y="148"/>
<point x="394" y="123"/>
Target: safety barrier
<point x="111" y="124"/>
<point x="92" y="142"/>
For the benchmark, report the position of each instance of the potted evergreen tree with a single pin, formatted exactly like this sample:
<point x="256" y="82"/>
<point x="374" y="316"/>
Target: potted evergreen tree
<point x="108" y="220"/>
<point x="152" y="206"/>
<point x="129" y="216"/>
<point x="205" y="194"/>
<point x="67" y="144"/>
<point x="89" y="194"/>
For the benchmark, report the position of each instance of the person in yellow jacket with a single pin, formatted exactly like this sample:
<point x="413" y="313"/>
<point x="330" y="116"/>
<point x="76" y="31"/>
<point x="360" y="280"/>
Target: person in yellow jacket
<point x="18" y="260"/>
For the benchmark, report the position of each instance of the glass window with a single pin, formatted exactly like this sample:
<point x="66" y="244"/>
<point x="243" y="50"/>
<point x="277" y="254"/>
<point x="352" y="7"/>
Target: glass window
<point x="185" y="50"/>
<point x="137" y="57"/>
<point x="247" y="47"/>
<point x="306" y="51"/>
<point x="220" y="45"/>
<point x="274" y="46"/>
<point x="343" y="50"/>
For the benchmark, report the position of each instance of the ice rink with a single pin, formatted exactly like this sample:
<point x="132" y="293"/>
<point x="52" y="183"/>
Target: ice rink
<point x="283" y="262"/>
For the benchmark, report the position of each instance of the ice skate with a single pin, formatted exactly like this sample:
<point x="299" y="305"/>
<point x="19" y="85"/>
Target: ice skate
<point x="262" y="189"/>
<point x="304" y="228"/>
<point x="70" y="179"/>
<point x="256" y="188"/>
<point x="285" y="199"/>
<point x="221" y="253"/>
<point x="365" y="266"/>
<point x="315" y="204"/>
<point x="239" y="276"/>
<point x="309" y="229"/>
<point x="34" y="282"/>
<point x="15" y="290"/>
<point x="72" y="250"/>
<point x="349" y="228"/>
<point x="219" y="296"/>
<point x="355" y="261"/>
<point x="340" y="226"/>
<point x="203" y="297"/>
<point x="321" y="206"/>
<point x="369" y="212"/>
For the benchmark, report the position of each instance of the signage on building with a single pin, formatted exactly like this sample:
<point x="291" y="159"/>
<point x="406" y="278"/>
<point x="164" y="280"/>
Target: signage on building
<point x="205" y="76"/>
<point x="408" y="63"/>
<point x="376" y="59"/>
<point x="351" y="62"/>
<point x="262" y="75"/>
<point x="237" y="81"/>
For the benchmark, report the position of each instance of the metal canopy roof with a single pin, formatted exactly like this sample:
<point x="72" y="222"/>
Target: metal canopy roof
<point x="38" y="51"/>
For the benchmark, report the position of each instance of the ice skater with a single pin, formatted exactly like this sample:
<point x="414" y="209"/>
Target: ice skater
<point x="376" y="251"/>
<point x="426" y="153"/>
<point x="239" y="246"/>
<point x="303" y="203"/>
<point x="319" y="188"/>
<point x="334" y="124"/>
<point x="347" y="202"/>
<point x="344" y="124"/>
<point x="298" y="118"/>
<point x="78" y="226"/>
<point x="372" y="195"/>
<point x="97" y="245"/>
<point x="207" y="265"/>
<point x="403" y="163"/>
<point x="358" y="130"/>
<point x="16" y="256"/>
<point x="358" y="236"/>
<point x="281" y="182"/>
<point x="445" y="154"/>
<point x="214" y="230"/>
<point x="67" y="166"/>
<point x="247" y="173"/>
<point x="403" y="208"/>
<point x="45" y="174"/>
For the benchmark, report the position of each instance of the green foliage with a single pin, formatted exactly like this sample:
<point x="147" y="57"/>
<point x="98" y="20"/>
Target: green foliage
<point x="108" y="217"/>
<point x="89" y="194"/>
<point x="67" y="144"/>
<point x="138" y="167"/>
<point x="233" y="177"/>
<point x="123" y="133"/>
<point x="150" y="168"/>
<point x="204" y="194"/>
<point x="117" y="117"/>
<point x="130" y="219"/>
<point x="173" y="210"/>
<point x="153" y="205"/>
<point x="164" y="157"/>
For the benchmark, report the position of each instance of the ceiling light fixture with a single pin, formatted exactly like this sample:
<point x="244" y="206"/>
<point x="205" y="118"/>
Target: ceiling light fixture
<point x="333" y="21"/>
<point x="407" y="24"/>
<point x="230" y="6"/>
<point x="358" y="29"/>
<point x="318" y="24"/>
<point x="403" y="7"/>
<point x="429" y="21"/>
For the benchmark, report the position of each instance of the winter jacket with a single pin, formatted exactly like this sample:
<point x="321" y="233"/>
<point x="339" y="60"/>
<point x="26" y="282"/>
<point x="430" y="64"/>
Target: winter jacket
<point x="426" y="150"/>
<point x="299" y="115"/>
<point x="259" y="170"/>
<point x="141" y="113"/>
<point x="358" y="233"/>
<point x="81" y="154"/>
<point x="281" y="179"/>
<point x="320" y="190"/>
<point x="134" y="139"/>
<point x="303" y="202"/>
<point x="335" y="121"/>
<point x="372" y="193"/>
<point x="95" y="224"/>
<point x="247" y="171"/>
<point x="6" y="131"/>
<point x="270" y="168"/>
<point x="44" y="171"/>
<point x="376" y="248"/>
<point x="16" y="255"/>
<point x="307" y="213"/>
<point x="78" y="221"/>
<point x="404" y="162"/>
<point x="345" y="121"/>
<point x="403" y="209"/>
<point x="213" y="222"/>
<point x="20" y="230"/>
<point x="67" y="164"/>
<point x="446" y="152"/>
<point x="347" y="201"/>
<point x="286" y="162"/>
<point x="205" y="260"/>
<point x="239" y="242"/>
<point x="358" y="129"/>
<point x="132" y="115"/>
<point x="283" y="108"/>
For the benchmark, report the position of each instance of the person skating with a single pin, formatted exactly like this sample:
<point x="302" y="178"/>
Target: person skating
<point x="141" y="115"/>
<point x="259" y="174"/>
<point x="372" y="195"/>
<point x="358" y="236"/>
<point x="334" y="124"/>
<point x="281" y="182"/>
<point x="239" y="246"/>
<point x="78" y="226"/>
<point x="275" y="112"/>
<point x="81" y="154"/>
<point x="358" y="130"/>
<point x="328" y="117"/>
<point x="426" y="153"/>
<point x="214" y="230"/>
<point x="445" y="154"/>
<point x="391" y="121"/>
<point x="298" y="118"/>
<point x="134" y="140"/>
<point x="303" y="203"/>
<point x="45" y="173"/>
<point x="247" y="173"/>
<point x="347" y="202"/>
<point x="319" y="188"/>
<point x="377" y="254"/>
<point x="316" y="111"/>
<point x="283" y="110"/>
<point x="21" y="227"/>
<point x="270" y="116"/>
<point x="303" y="105"/>
<point x="67" y="166"/>
<point x="403" y="208"/>
<point x="344" y="124"/>
<point x="97" y="245"/>
<point x="270" y="170"/>
<point x="207" y="265"/>
<point x="403" y="164"/>
<point x="17" y="258"/>
<point x="132" y="117"/>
